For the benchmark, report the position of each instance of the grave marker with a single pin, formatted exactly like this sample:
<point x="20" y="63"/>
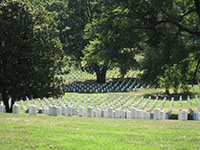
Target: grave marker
<point x="32" y="110"/>
<point x="15" y="109"/>
<point x="89" y="111"/>
<point x="182" y="115"/>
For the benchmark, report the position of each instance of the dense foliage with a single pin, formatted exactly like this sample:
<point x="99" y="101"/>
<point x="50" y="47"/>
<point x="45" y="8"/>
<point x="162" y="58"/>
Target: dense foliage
<point x="30" y="53"/>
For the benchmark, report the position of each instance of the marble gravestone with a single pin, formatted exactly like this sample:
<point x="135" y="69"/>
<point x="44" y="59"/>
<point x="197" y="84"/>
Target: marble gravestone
<point x="15" y="109"/>
<point x="69" y="111"/>
<point x="99" y="113"/>
<point x="182" y="115"/>
<point x="63" y="108"/>
<point x="157" y="114"/>
<point x="133" y="113"/>
<point x="2" y="108"/>
<point x="53" y="111"/>
<point x="81" y="112"/>
<point x="89" y="111"/>
<point x="32" y="110"/>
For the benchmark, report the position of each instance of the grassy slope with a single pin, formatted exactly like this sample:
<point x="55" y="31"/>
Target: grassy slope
<point x="24" y="131"/>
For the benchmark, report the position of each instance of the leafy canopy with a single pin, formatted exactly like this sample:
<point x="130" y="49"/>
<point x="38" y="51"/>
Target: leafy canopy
<point x="30" y="52"/>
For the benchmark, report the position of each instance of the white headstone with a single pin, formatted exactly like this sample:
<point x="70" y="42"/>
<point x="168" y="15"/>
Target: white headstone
<point x="182" y="115"/>
<point x="105" y="113"/>
<point x="157" y="114"/>
<point x="53" y="111"/>
<point x="73" y="111"/>
<point x="109" y="112"/>
<point x="32" y="110"/>
<point x="89" y="111"/>
<point x="15" y="109"/>
<point x="81" y="112"/>
<point x="69" y="111"/>
<point x="47" y="110"/>
<point x="123" y="114"/>
<point x="133" y="113"/>
<point x="94" y="113"/>
<point x="99" y="113"/>
<point x="44" y="110"/>
<point x="179" y="115"/>
<point x="59" y="109"/>
<point x="162" y="115"/>
<point x="198" y="116"/>
<point x="117" y="113"/>
<point x="146" y="115"/>
<point x="2" y="108"/>
<point x="128" y="114"/>
<point x="140" y="114"/>
<point x="63" y="110"/>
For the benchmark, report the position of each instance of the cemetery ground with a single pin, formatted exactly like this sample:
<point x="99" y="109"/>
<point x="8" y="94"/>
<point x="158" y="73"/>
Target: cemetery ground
<point x="25" y="131"/>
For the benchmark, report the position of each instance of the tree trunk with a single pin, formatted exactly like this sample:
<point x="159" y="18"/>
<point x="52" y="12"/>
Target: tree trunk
<point x="167" y="91"/>
<point x="101" y="74"/>
<point x="5" y="100"/>
<point x="12" y="103"/>
<point x="195" y="73"/>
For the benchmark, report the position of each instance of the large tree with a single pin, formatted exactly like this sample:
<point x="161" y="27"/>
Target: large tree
<point x="173" y="32"/>
<point x="72" y="17"/>
<point x="113" y="40"/>
<point x="30" y="53"/>
<point x="165" y="32"/>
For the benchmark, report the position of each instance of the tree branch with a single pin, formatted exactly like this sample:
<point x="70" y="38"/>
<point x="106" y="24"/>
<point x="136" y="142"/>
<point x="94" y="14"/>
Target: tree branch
<point x="187" y="13"/>
<point x="181" y="28"/>
<point x="195" y="72"/>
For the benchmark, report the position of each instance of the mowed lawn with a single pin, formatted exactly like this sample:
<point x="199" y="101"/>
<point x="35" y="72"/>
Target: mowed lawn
<point x="29" y="132"/>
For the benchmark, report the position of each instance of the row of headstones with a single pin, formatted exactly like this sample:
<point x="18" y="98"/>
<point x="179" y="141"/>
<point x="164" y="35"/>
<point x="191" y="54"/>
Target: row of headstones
<point x="15" y="108"/>
<point x="133" y="113"/>
<point x="77" y="74"/>
<point x="107" y="87"/>
<point x="135" y="105"/>
<point x="183" y="115"/>
<point x="122" y="103"/>
<point x="118" y="87"/>
<point x="116" y="104"/>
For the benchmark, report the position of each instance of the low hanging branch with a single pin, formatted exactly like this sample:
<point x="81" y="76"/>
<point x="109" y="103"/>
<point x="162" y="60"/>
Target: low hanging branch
<point x="181" y="28"/>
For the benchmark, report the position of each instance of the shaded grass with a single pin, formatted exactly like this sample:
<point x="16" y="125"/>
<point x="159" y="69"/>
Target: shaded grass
<point x="24" y="131"/>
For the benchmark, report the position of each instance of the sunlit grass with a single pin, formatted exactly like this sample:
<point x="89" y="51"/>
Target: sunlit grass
<point x="25" y="131"/>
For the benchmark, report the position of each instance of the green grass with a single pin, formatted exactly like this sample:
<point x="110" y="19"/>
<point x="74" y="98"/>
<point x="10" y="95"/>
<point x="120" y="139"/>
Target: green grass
<point x="24" y="131"/>
<point x="29" y="132"/>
